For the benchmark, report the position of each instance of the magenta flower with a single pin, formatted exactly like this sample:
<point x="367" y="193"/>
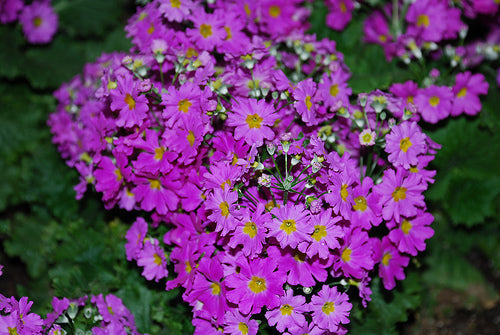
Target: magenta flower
<point x="156" y="156"/>
<point x="223" y="206"/>
<point x="39" y="22"/>
<point x="405" y="143"/>
<point x="355" y="255"/>
<point x="238" y="324"/>
<point x="253" y="120"/>
<point x="250" y="231"/>
<point x="306" y="101"/>
<point x="409" y="236"/>
<point x="330" y="308"/>
<point x="9" y="10"/>
<point x="427" y="20"/>
<point x="339" y="14"/>
<point x="334" y="90"/>
<point x="340" y="195"/>
<point x="434" y="103"/>
<point x="152" y="258"/>
<point x="208" y="31"/>
<point x="391" y="263"/>
<point x="208" y="288"/>
<point x="158" y="192"/>
<point x="176" y="11"/>
<point x="400" y="194"/>
<point x="135" y="238"/>
<point x="366" y="210"/>
<point x="290" y="225"/>
<point x="257" y="284"/>
<point x="467" y="89"/>
<point x="325" y="236"/>
<point x="289" y="314"/>
<point x="127" y="100"/>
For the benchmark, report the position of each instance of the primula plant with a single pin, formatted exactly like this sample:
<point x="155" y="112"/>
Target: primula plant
<point x="262" y="185"/>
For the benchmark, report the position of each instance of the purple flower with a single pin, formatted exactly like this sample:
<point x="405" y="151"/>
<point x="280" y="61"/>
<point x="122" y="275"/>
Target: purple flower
<point x="356" y="254"/>
<point x="467" y="89"/>
<point x="405" y="144"/>
<point x="135" y="238"/>
<point x="409" y="236"/>
<point x="253" y="121"/>
<point x="289" y="314"/>
<point x="9" y="10"/>
<point x="290" y="225"/>
<point x="152" y="257"/>
<point x="391" y="263"/>
<point x="39" y="22"/>
<point x="330" y="308"/>
<point x="434" y="103"/>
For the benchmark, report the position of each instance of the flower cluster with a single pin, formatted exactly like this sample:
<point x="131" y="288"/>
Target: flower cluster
<point x="38" y="19"/>
<point x="236" y="131"/>
<point x="105" y="315"/>
<point x="412" y="30"/>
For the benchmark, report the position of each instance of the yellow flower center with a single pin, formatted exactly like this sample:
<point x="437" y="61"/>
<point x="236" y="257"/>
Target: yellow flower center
<point x="462" y="92"/>
<point x="334" y="90"/>
<point x="308" y="102"/>
<point x="206" y="30"/>
<point x="159" y="153"/>
<point x="406" y="226"/>
<point x="247" y="9"/>
<point x="224" y="208"/>
<point x="157" y="259"/>
<point x="12" y="331"/>
<point x="243" y="328"/>
<point x="343" y="7"/>
<point x="250" y="229"/>
<point x="215" y="288"/>
<point x="423" y="20"/>
<point x="184" y="105"/>
<point x="254" y="83"/>
<point x="387" y="257"/>
<point x="346" y="255"/>
<point x="191" y="52"/>
<point x="129" y="101"/>
<point x="235" y="159"/>
<point x="254" y="121"/>
<point x="288" y="226"/>
<point x="319" y="232"/>
<point x="434" y="101"/>
<point x="286" y="309"/>
<point x="228" y="33"/>
<point x="110" y="310"/>
<point x="404" y="144"/>
<point x="118" y="174"/>
<point x="175" y="3"/>
<point x="399" y="193"/>
<point x="299" y="257"/>
<point x="328" y="307"/>
<point x="151" y="29"/>
<point x="37" y="21"/>
<point x="360" y="204"/>
<point x="223" y="185"/>
<point x="343" y="192"/>
<point x="191" y="138"/>
<point x="414" y="169"/>
<point x="382" y="38"/>
<point x="189" y="268"/>
<point x="154" y="184"/>
<point x="257" y="284"/>
<point x="274" y="11"/>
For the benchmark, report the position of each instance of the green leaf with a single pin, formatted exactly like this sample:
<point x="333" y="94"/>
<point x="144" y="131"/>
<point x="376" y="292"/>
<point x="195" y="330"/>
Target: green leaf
<point x="88" y="17"/>
<point x="11" y="55"/>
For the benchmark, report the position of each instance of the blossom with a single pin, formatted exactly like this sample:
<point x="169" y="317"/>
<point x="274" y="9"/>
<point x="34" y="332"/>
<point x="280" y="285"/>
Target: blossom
<point x="290" y="313"/>
<point x="355" y="255"/>
<point x="152" y="257"/>
<point x="250" y="231"/>
<point x="305" y="96"/>
<point x="325" y="235"/>
<point x="208" y="31"/>
<point x="9" y="10"/>
<point x="135" y="238"/>
<point x="257" y="284"/>
<point x="252" y="119"/>
<point x="222" y="204"/>
<point x="366" y="210"/>
<point x="330" y="308"/>
<point x="340" y="13"/>
<point x="410" y="234"/>
<point x="127" y="100"/>
<point x="400" y="194"/>
<point x="405" y="143"/>
<point x="434" y="103"/>
<point x="367" y="137"/>
<point x="39" y="22"/>
<point x="391" y="263"/>
<point x="467" y="89"/>
<point x="238" y="324"/>
<point x="289" y="225"/>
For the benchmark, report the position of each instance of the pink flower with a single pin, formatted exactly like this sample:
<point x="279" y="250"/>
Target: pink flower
<point x="467" y="89"/>
<point x="391" y="263"/>
<point x="355" y="255"/>
<point x="409" y="236"/>
<point x="250" y="231"/>
<point x="9" y="10"/>
<point x="238" y="324"/>
<point x="257" y="284"/>
<point x="400" y="194"/>
<point x="325" y="235"/>
<point x="253" y="120"/>
<point x="208" y="31"/>
<point x="334" y="90"/>
<point x="127" y="100"/>
<point x="305" y="96"/>
<point x="152" y="258"/>
<point x="135" y="238"/>
<point x="340" y="13"/>
<point x="223" y="206"/>
<point x="289" y="314"/>
<point x="330" y="308"/>
<point x="39" y="22"/>
<point x="289" y="225"/>
<point x="405" y="144"/>
<point x="366" y="211"/>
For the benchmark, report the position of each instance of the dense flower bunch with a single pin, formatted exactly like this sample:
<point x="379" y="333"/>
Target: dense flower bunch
<point x="410" y="30"/>
<point x="38" y="19"/>
<point x="238" y="132"/>
<point x="103" y="315"/>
